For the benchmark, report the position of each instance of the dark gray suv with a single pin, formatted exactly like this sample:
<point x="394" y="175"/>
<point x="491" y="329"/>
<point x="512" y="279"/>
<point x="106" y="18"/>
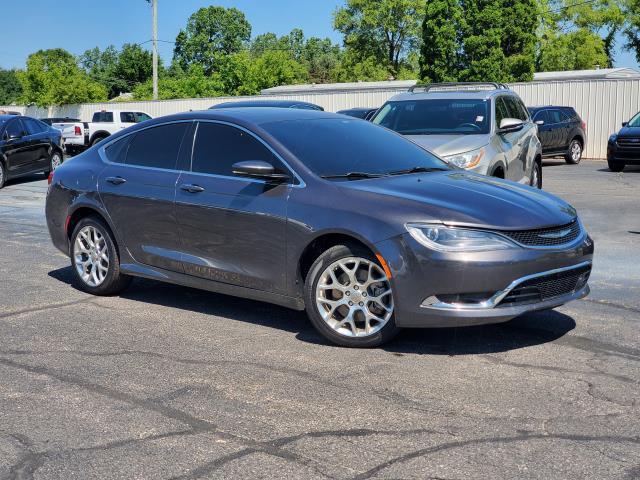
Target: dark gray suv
<point x="362" y="228"/>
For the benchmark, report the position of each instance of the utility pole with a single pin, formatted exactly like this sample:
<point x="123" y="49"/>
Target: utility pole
<point x="154" y="39"/>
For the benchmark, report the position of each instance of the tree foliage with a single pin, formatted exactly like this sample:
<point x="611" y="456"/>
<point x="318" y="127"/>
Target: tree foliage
<point x="119" y="71"/>
<point x="52" y="77"/>
<point x="211" y="31"/>
<point x="441" y="41"/>
<point x="577" y="50"/>
<point x="632" y="29"/>
<point x="383" y="30"/>
<point x="10" y="87"/>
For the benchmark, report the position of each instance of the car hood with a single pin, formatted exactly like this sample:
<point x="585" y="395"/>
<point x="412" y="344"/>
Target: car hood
<point x="462" y="198"/>
<point x="445" y="145"/>
<point x="629" y="132"/>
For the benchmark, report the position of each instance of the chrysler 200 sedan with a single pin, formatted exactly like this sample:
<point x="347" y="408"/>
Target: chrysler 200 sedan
<point x="360" y="227"/>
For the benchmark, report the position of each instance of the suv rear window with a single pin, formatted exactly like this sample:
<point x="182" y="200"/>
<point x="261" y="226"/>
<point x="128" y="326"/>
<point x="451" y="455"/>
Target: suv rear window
<point x="436" y="116"/>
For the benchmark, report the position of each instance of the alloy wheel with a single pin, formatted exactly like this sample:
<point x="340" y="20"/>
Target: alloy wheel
<point x="56" y="160"/>
<point x="576" y="152"/>
<point x="91" y="256"/>
<point x="354" y="298"/>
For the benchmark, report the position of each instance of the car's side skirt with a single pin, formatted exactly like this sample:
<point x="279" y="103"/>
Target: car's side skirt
<point x="176" y="278"/>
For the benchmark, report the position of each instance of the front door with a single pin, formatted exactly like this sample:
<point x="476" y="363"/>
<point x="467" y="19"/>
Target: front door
<point x="138" y="191"/>
<point x="233" y="229"/>
<point x="19" y="150"/>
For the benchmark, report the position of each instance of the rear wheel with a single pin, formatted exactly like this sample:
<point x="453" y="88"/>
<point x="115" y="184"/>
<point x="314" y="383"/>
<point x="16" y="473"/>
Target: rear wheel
<point x="95" y="260"/>
<point x="615" y="166"/>
<point x="3" y="175"/>
<point x="97" y="140"/>
<point x="54" y="162"/>
<point x="349" y="299"/>
<point x="574" y="154"/>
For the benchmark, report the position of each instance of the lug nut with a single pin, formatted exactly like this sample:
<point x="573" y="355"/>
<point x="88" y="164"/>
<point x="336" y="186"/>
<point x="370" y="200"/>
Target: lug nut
<point x="350" y="304"/>
<point x="361" y="304"/>
<point x="355" y="287"/>
<point x="364" y="294"/>
<point x="348" y="293"/>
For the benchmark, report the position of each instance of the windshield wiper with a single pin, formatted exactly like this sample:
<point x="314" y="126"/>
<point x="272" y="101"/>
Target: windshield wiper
<point x="355" y="175"/>
<point x="418" y="170"/>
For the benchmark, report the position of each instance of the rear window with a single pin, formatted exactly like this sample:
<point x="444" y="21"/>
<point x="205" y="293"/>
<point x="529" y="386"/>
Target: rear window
<point x="436" y="117"/>
<point x="103" y="117"/>
<point x="33" y="126"/>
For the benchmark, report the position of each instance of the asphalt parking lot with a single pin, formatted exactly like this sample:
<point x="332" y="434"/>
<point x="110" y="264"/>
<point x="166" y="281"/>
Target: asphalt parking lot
<point x="170" y="382"/>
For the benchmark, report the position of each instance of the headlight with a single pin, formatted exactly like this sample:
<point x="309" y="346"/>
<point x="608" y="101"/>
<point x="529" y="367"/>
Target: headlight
<point x="613" y="138"/>
<point x="466" y="160"/>
<point x="450" y="239"/>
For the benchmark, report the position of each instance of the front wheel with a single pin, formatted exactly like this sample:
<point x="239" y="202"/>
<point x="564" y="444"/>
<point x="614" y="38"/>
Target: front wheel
<point x="574" y="155"/>
<point x="95" y="260"/>
<point x="3" y="175"/>
<point x="536" y="175"/>
<point x="349" y="298"/>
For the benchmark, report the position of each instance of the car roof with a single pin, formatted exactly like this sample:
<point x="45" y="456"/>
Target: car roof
<point x="263" y="103"/>
<point x="451" y="94"/>
<point x="544" y="107"/>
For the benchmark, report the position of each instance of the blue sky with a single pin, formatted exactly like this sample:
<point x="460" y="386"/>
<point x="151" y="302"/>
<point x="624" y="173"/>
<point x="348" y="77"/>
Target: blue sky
<point x="30" y="25"/>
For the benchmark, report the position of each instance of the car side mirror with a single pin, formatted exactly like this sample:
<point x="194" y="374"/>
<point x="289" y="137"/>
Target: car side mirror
<point x="260" y="170"/>
<point x="539" y="122"/>
<point x="508" y="125"/>
<point x="624" y="124"/>
<point x="14" y="136"/>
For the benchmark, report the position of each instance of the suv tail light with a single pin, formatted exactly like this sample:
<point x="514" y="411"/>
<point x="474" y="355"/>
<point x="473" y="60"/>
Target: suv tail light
<point x="77" y="130"/>
<point x="50" y="178"/>
<point x="584" y="125"/>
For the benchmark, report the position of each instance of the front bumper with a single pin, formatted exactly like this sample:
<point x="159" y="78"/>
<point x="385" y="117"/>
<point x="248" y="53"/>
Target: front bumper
<point x="479" y="283"/>
<point x="623" y="155"/>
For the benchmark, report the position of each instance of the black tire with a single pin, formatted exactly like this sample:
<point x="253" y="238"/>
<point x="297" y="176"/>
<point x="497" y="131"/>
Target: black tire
<point x="97" y="140"/>
<point x="536" y="175"/>
<point x="53" y="163"/>
<point x="3" y="174"/>
<point x="574" y="154"/>
<point x="615" y="166"/>
<point x="114" y="281"/>
<point x="333" y="254"/>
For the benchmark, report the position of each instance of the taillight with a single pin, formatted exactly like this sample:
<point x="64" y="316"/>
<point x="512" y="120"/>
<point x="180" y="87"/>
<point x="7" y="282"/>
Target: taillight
<point x="50" y="178"/>
<point x="584" y="126"/>
<point x="77" y="130"/>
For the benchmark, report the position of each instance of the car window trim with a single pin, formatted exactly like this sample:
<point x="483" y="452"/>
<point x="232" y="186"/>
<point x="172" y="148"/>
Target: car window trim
<point x="300" y="184"/>
<point x="103" y="155"/>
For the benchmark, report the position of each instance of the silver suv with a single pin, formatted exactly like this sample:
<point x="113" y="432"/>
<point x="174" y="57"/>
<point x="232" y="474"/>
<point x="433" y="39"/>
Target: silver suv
<point x="483" y="127"/>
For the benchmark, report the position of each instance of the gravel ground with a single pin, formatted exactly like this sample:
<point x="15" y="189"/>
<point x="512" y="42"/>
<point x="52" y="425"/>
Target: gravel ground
<point x="170" y="382"/>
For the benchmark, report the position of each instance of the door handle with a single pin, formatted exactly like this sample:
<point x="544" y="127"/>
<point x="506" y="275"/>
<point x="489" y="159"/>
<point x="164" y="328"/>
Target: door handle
<point x="116" y="180"/>
<point x="187" y="187"/>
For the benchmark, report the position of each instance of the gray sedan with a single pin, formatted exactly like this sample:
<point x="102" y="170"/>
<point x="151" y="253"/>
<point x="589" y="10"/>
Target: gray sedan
<point x="362" y="228"/>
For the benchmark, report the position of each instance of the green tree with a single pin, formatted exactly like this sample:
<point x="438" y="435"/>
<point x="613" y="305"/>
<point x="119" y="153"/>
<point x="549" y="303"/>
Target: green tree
<point x="353" y="68"/>
<point x="193" y="83"/>
<point x="211" y="31"/>
<point x="441" y="41"/>
<point x="520" y="20"/>
<point x="10" y="87"/>
<point x="52" y="77"/>
<point x="483" y="57"/>
<point x="577" y="50"/>
<point x="385" y="30"/>
<point x="118" y="71"/>
<point x="632" y="29"/>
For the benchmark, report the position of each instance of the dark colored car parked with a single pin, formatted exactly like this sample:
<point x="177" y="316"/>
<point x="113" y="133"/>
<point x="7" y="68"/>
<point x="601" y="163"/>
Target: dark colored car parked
<point x="268" y="103"/>
<point x="361" y="227"/>
<point x="363" y="113"/>
<point x="561" y="131"/>
<point x="624" y="147"/>
<point x="27" y="146"/>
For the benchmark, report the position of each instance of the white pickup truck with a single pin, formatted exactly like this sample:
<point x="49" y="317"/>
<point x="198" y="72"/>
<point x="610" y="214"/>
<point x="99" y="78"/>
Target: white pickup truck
<point x="80" y="135"/>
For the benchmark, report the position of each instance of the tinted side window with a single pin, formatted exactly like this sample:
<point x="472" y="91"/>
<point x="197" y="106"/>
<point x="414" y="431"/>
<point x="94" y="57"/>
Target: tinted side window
<point x="501" y="111"/>
<point x="513" y="107"/>
<point x="14" y="129"/>
<point x="157" y="147"/>
<point x="141" y="117"/>
<point x="117" y="151"/>
<point x="555" y="116"/>
<point x="541" y="115"/>
<point x="127" y="117"/>
<point x="218" y="147"/>
<point x="33" y="126"/>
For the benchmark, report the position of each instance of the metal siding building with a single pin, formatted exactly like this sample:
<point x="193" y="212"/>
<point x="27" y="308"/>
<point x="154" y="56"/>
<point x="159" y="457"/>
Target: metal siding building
<point x="602" y="103"/>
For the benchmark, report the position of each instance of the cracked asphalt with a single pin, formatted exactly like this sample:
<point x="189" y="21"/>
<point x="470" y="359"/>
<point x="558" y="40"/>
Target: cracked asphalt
<point x="166" y="382"/>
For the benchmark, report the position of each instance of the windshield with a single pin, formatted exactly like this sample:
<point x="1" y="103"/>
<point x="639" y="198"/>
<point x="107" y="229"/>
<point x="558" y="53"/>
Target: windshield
<point x="333" y="147"/>
<point x="436" y="117"/>
<point x="635" y="121"/>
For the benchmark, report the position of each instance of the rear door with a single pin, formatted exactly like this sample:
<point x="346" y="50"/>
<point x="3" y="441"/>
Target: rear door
<point x="233" y="229"/>
<point x="18" y="148"/>
<point x="39" y="143"/>
<point x="138" y="191"/>
<point x="545" y="131"/>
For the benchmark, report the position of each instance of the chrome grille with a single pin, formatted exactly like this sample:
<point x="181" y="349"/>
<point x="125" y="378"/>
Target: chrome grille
<point x="548" y="287"/>
<point x="546" y="237"/>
